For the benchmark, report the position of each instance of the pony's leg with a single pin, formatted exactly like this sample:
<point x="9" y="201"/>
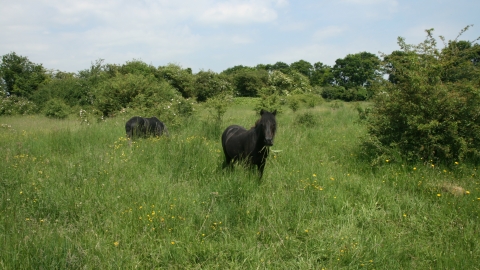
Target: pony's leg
<point x="227" y="162"/>
<point x="261" y="167"/>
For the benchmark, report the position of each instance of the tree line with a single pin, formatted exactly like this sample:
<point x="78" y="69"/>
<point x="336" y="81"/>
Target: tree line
<point x="111" y="87"/>
<point x="425" y="99"/>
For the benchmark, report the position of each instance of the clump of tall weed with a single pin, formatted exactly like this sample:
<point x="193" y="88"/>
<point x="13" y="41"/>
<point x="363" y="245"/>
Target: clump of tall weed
<point x="307" y="119"/>
<point x="56" y="108"/>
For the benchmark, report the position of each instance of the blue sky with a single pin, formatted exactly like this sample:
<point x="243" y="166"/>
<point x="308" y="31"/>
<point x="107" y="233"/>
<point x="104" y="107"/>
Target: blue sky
<point x="215" y="35"/>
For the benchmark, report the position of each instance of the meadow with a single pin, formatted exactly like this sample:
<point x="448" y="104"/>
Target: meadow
<point x="77" y="196"/>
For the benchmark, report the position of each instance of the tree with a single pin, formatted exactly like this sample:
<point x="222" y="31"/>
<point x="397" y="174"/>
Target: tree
<point x="267" y="67"/>
<point x="322" y="75"/>
<point x="21" y="77"/>
<point x="281" y="66"/>
<point x="236" y="69"/>
<point x="303" y="67"/>
<point x="356" y="70"/>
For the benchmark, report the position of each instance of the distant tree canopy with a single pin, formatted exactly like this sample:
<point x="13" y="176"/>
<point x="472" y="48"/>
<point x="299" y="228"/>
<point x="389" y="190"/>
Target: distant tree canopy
<point x="21" y="77"/>
<point x="303" y="67"/>
<point x="112" y="87"/>
<point x="356" y="70"/>
<point x="322" y="75"/>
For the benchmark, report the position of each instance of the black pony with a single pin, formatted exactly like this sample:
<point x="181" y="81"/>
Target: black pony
<point x="251" y="145"/>
<point x="143" y="127"/>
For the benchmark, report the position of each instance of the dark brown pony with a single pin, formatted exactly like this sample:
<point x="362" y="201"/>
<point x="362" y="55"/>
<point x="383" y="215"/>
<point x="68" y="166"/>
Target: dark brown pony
<point x="143" y="127"/>
<point x="251" y="145"/>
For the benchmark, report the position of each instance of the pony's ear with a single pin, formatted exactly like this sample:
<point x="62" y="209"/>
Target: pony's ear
<point x="274" y="112"/>
<point x="262" y="111"/>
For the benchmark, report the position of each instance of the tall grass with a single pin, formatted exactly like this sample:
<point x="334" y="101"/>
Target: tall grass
<point x="77" y="196"/>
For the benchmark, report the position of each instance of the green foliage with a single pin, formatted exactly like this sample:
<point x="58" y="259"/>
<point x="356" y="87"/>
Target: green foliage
<point x="311" y="99"/>
<point x="280" y="66"/>
<point x="21" y="76"/>
<point x="14" y="105"/>
<point x="430" y="110"/>
<point x="175" y="112"/>
<point x="363" y="113"/>
<point x="269" y="103"/>
<point x="56" y="108"/>
<point x="218" y="105"/>
<point x="236" y="69"/>
<point x="356" y="70"/>
<point x="336" y="104"/>
<point x="209" y="84"/>
<point x="322" y="75"/>
<point x="301" y="83"/>
<point x="181" y="79"/>
<point x="293" y="103"/>
<point x="65" y="86"/>
<point x="279" y="83"/>
<point x="247" y="82"/>
<point x="138" y="67"/>
<point x="307" y="119"/>
<point x="131" y="90"/>
<point x="184" y="107"/>
<point x="341" y="93"/>
<point x="90" y="116"/>
<point x="303" y="67"/>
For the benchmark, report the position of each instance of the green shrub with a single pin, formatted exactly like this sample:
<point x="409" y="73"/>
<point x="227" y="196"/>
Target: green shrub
<point x="362" y="112"/>
<point x="307" y="119"/>
<point x="184" y="107"/>
<point x="293" y="103"/>
<point x="269" y="103"/>
<point x="14" y="105"/>
<point x="132" y="90"/>
<point x="173" y="113"/>
<point x="311" y="99"/>
<point x="217" y="106"/>
<point x="56" y="108"/>
<point x="209" y="84"/>
<point x="351" y="94"/>
<point x="422" y="111"/>
<point x="336" y="104"/>
<point x="72" y="90"/>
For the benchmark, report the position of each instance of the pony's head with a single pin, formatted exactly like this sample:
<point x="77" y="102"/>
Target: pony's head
<point x="267" y="126"/>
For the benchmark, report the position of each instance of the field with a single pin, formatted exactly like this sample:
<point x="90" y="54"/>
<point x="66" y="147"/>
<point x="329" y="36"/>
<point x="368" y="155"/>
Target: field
<point x="76" y="196"/>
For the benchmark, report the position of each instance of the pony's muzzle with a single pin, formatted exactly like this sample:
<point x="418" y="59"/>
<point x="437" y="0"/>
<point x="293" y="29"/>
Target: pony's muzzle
<point x="268" y="142"/>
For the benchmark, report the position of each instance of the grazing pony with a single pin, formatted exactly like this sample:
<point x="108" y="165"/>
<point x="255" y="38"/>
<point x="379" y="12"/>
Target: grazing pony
<point x="143" y="127"/>
<point x="251" y="145"/>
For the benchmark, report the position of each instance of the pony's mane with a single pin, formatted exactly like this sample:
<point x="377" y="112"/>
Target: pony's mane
<point x="256" y="122"/>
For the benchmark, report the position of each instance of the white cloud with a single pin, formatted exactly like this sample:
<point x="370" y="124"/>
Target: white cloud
<point x="371" y="2"/>
<point x="239" y="13"/>
<point x="328" y="32"/>
<point x="70" y="34"/>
